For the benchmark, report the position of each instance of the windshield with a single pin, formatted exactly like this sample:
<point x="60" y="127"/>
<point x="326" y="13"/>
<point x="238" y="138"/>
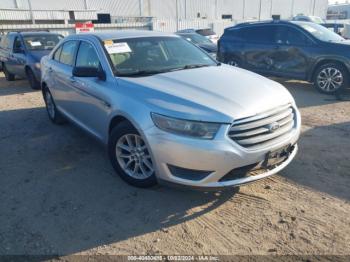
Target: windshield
<point x="321" y="32"/>
<point x="41" y="42"/>
<point x="152" y="55"/>
<point x="197" y="39"/>
<point x="317" y="20"/>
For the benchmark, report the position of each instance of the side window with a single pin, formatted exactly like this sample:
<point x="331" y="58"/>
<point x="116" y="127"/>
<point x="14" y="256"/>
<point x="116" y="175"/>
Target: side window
<point x="56" y="55"/>
<point x="67" y="53"/>
<point x="87" y="56"/>
<point x="17" y="44"/>
<point x="260" y="34"/>
<point x="291" y="36"/>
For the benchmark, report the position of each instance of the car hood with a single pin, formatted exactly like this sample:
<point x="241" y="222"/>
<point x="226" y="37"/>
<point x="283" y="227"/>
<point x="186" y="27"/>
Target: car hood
<point x="38" y="54"/>
<point x="214" y="94"/>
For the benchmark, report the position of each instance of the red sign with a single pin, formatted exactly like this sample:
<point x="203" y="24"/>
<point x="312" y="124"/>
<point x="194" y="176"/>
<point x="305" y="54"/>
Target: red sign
<point x="84" y="27"/>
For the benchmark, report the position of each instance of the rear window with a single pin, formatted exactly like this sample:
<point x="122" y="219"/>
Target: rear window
<point x="205" y="32"/>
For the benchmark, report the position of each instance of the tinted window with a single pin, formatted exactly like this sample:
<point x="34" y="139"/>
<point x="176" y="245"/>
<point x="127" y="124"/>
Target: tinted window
<point x="67" y="53"/>
<point x="87" y="56"/>
<point x="56" y="55"/>
<point x="286" y="35"/>
<point x="295" y="37"/>
<point x="17" y="43"/>
<point x="259" y="34"/>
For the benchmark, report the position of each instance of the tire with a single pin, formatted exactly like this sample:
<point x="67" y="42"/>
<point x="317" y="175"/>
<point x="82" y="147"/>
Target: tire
<point x="233" y="61"/>
<point x="331" y="78"/>
<point x="34" y="83"/>
<point x="125" y="156"/>
<point x="54" y="115"/>
<point x="8" y="75"/>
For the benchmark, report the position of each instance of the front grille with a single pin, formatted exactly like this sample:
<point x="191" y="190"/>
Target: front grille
<point x="263" y="129"/>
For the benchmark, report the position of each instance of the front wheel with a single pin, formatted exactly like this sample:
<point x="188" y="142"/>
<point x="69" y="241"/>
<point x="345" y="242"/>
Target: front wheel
<point x="331" y="78"/>
<point x="130" y="156"/>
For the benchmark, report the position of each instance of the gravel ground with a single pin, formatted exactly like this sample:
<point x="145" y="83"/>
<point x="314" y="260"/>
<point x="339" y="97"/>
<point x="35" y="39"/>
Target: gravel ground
<point x="59" y="194"/>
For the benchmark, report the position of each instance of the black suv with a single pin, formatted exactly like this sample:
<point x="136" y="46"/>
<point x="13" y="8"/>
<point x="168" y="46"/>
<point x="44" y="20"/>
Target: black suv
<point x="294" y="50"/>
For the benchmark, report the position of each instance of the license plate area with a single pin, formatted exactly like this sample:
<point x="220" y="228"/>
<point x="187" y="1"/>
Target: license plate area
<point x="278" y="156"/>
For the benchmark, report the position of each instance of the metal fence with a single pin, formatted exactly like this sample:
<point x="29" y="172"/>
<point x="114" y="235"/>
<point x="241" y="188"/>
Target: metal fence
<point x="162" y="25"/>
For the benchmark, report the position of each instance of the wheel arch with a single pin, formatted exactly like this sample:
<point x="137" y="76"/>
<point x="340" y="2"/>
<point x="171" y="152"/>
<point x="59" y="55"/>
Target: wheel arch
<point x="326" y="61"/>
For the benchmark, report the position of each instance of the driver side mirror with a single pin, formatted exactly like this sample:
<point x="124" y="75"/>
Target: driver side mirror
<point x="83" y="71"/>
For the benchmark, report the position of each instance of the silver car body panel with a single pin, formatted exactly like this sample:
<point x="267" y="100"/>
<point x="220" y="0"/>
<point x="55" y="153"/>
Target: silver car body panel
<point x="219" y="94"/>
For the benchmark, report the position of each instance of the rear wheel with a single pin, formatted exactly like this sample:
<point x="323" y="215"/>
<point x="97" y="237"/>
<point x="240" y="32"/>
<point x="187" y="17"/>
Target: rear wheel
<point x="54" y="115"/>
<point x="8" y="75"/>
<point x="331" y="78"/>
<point x="34" y="83"/>
<point x="130" y="156"/>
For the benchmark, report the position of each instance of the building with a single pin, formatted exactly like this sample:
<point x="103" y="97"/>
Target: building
<point x="69" y="11"/>
<point x="338" y="11"/>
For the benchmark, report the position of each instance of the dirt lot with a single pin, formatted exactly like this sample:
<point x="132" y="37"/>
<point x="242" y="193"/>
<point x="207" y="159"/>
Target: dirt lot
<point x="59" y="194"/>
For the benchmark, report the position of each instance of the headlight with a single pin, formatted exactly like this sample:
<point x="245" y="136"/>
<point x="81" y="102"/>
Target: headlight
<point x="37" y="65"/>
<point x="202" y="130"/>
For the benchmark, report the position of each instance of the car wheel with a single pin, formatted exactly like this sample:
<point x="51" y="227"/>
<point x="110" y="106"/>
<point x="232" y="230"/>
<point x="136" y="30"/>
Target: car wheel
<point x="34" y="83"/>
<point x="331" y="78"/>
<point x="54" y="115"/>
<point x="130" y="156"/>
<point x="8" y="75"/>
<point x="234" y="62"/>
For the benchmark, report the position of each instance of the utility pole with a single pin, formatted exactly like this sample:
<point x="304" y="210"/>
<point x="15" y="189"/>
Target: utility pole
<point x="313" y="11"/>
<point x="271" y="8"/>
<point x="141" y="7"/>
<point x="31" y="12"/>
<point x="260" y="10"/>
<point x="243" y="15"/>
<point x="292" y="10"/>
<point x="86" y="4"/>
<point x="177" y="15"/>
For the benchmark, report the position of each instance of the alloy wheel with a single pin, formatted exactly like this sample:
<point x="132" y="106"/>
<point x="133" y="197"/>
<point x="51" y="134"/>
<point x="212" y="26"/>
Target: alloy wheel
<point x="330" y="79"/>
<point x="133" y="156"/>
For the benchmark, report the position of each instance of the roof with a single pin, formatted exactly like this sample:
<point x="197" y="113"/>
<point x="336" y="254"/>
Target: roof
<point x="33" y="33"/>
<point x="121" y="34"/>
<point x="267" y="22"/>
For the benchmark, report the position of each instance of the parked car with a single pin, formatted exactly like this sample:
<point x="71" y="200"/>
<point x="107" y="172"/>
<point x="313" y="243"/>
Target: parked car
<point x="309" y="18"/>
<point x="20" y="54"/>
<point x="201" y="42"/>
<point x="169" y="112"/>
<point x="206" y="32"/>
<point x="294" y="50"/>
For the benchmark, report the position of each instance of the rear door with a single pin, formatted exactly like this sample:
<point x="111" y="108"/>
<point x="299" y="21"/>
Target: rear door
<point x="258" y="48"/>
<point x="61" y="69"/>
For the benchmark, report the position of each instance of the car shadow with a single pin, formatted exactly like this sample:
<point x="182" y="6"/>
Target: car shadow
<point x="19" y="86"/>
<point x="305" y="94"/>
<point x="323" y="161"/>
<point x="63" y="197"/>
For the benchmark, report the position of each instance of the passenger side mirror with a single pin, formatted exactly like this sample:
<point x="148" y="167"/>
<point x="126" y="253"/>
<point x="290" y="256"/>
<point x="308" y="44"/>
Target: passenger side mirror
<point x="83" y="71"/>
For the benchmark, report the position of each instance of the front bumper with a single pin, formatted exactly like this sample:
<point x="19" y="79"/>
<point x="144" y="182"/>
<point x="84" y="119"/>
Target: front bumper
<point x="217" y="157"/>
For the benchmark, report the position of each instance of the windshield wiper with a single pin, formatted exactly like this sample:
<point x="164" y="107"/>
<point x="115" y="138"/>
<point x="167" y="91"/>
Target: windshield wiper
<point x="141" y="73"/>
